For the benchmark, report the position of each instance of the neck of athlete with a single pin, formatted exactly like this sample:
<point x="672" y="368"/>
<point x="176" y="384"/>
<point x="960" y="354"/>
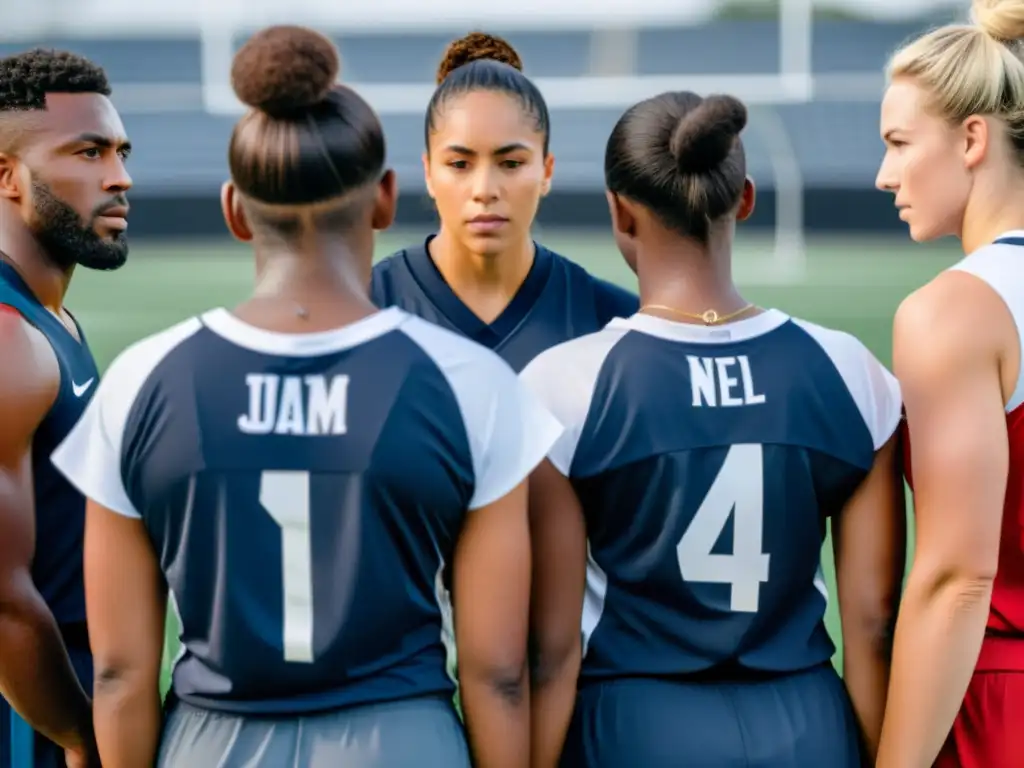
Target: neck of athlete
<point x="19" y="246"/>
<point x="478" y="277"/>
<point x="318" y="284"/>
<point x="682" y="274"/>
<point x="993" y="210"/>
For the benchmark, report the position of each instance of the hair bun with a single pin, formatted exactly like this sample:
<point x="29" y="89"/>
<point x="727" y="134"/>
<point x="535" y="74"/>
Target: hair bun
<point x="1001" y="19"/>
<point x="706" y="135"/>
<point x="474" y="47"/>
<point x="284" y="69"/>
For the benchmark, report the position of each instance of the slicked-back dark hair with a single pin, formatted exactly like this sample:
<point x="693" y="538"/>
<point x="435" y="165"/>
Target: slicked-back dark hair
<point x="680" y="155"/>
<point x="26" y="78"/>
<point x="482" y="62"/>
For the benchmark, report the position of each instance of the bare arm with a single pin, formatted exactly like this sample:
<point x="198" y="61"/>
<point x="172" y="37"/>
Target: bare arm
<point x="491" y="586"/>
<point x="869" y="539"/>
<point x="126" y="597"/>
<point x="36" y="675"/>
<point x="947" y="339"/>
<point x="558" y="536"/>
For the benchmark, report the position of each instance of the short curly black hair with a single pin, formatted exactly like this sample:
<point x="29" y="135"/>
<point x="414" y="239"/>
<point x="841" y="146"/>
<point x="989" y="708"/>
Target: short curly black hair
<point x="26" y="78"/>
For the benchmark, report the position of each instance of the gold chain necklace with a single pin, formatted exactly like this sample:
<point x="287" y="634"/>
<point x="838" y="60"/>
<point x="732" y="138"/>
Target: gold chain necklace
<point x="708" y="316"/>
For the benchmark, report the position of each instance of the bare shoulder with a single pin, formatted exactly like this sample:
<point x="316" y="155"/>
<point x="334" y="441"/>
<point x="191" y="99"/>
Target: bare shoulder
<point x="29" y="377"/>
<point x="952" y="325"/>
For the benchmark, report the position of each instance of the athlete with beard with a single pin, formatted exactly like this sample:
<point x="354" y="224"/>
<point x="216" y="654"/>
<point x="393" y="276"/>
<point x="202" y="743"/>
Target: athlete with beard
<point x="62" y="203"/>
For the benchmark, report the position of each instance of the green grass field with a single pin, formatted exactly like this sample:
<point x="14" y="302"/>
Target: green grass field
<point x="851" y="283"/>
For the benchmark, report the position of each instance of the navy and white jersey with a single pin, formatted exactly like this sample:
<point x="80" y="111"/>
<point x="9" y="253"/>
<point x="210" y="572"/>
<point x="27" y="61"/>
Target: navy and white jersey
<point x="707" y="460"/>
<point x="59" y="507"/>
<point x="558" y="301"/>
<point x="304" y="494"/>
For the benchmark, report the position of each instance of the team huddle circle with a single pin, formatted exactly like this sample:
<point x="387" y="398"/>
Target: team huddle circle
<point x="471" y="504"/>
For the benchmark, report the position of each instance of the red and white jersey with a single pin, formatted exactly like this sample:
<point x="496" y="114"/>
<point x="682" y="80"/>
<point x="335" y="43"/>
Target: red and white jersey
<point x="1001" y="266"/>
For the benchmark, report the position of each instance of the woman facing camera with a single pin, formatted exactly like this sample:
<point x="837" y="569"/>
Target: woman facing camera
<point x="488" y="164"/>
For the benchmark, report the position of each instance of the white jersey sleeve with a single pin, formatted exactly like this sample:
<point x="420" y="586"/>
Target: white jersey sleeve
<point x="509" y="430"/>
<point x="90" y="457"/>
<point x="875" y="391"/>
<point x="564" y="378"/>
<point x="999" y="266"/>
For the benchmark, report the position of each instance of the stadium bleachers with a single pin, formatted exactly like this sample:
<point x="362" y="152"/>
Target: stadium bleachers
<point x="834" y="137"/>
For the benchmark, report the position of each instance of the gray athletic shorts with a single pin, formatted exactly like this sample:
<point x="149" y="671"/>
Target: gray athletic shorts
<point x="421" y="733"/>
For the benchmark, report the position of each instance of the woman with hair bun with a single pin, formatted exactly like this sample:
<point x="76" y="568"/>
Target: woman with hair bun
<point x="953" y="125"/>
<point x="487" y="165"/>
<point x="707" y="443"/>
<point x="242" y="465"/>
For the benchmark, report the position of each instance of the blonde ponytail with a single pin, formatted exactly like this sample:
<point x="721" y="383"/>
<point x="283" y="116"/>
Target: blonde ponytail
<point x="1000" y="19"/>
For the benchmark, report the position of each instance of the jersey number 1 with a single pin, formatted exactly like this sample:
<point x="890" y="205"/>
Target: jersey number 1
<point x="285" y="496"/>
<point x="737" y="490"/>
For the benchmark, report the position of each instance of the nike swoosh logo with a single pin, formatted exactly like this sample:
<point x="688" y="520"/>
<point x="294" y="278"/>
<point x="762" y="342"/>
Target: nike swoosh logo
<point x="81" y="389"/>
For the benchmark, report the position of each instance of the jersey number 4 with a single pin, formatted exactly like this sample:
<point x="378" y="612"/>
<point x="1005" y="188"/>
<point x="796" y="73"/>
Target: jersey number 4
<point x="285" y="496"/>
<point x="738" y="490"/>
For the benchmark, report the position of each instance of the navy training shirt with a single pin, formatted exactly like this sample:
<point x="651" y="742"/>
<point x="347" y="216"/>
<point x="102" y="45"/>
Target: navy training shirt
<point x="707" y="461"/>
<point x="558" y="301"/>
<point x="302" y="501"/>
<point x="59" y="507"/>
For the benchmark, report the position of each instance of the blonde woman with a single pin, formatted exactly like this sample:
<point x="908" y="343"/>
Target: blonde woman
<point x="953" y="125"/>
